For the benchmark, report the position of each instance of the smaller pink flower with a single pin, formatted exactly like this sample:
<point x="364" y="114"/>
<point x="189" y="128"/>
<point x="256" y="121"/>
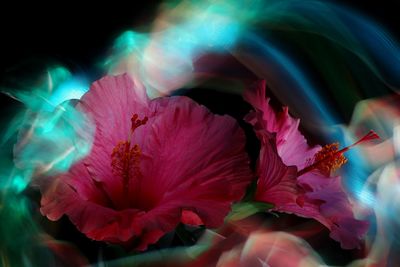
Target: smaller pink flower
<point x="296" y="177"/>
<point x="153" y="164"/>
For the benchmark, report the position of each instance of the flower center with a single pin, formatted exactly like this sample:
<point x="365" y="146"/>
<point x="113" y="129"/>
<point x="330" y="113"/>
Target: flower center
<point x="125" y="157"/>
<point x="330" y="158"/>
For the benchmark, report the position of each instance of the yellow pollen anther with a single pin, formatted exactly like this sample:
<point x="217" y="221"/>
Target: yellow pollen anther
<point x="334" y="160"/>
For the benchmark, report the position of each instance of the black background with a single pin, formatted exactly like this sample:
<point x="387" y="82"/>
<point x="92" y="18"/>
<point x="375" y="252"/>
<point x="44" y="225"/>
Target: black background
<point x="78" y="34"/>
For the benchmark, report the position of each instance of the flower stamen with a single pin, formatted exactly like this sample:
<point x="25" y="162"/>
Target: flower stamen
<point x="125" y="157"/>
<point x="330" y="158"/>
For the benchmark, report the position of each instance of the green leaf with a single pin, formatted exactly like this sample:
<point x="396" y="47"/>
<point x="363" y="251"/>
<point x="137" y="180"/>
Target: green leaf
<point x="243" y="210"/>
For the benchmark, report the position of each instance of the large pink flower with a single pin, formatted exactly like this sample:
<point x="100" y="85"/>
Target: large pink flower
<point x="154" y="163"/>
<point x="296" y="177"/>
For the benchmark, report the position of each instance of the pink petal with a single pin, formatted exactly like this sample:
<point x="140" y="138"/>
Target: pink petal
<point x="198" y="155"/>
<point x="348" y="231"/>
<point x="291" y="145"/>
<point x="110" y="103"/>
<point x="191" y="218"/>
<point x="277" y="182"/>
<point x="336" y="208"/>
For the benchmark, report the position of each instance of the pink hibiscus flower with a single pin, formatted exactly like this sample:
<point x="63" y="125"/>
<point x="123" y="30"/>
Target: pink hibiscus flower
<point x="154" y="164"/>
<point x="295" y="177"/>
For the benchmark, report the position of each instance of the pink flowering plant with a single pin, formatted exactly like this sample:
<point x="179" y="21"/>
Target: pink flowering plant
<point x="156" y="164"/>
